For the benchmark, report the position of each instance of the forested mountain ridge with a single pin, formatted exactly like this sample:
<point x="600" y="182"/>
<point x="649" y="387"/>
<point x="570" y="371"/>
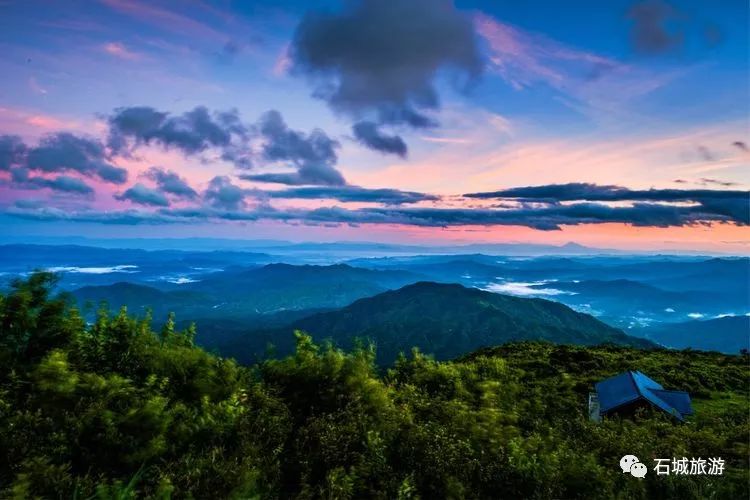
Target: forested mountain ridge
<point x="228" y="293"/>
<point x="444" y="320"/>
<point x="242" y="292"/>
<point x="116" y="410"/>
<point x="449" y="320"/>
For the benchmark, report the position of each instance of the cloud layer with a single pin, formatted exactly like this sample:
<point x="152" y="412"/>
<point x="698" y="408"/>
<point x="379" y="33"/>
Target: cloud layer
<point x="309" y="161"/>
<point x="731" y="205"/>
<point x="35" y="167"/>
<point x="142" y="195"/>
<point x="226" y="202"/>
<point x="653" y="30"/>
<point x="223" y="194"/>
<point x="353" y="194"/>
<point x="313" y="155"/>
<point x="171" y="183"/>
<point x="368" y="134"/>
<point x="379" y="60"/>
<point x="192" y="132"/>
<point x="21" y="179"/>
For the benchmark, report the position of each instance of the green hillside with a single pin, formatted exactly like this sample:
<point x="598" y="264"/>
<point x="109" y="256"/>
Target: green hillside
<point x="138" y="298"/>
<point x="116" y="410"/>
<point x="449" y="320"/>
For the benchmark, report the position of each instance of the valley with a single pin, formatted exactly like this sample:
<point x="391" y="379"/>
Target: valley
<point x="247" y="302"/>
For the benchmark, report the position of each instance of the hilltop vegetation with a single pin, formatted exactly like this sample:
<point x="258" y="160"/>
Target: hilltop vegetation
<point x="115" y="410"/>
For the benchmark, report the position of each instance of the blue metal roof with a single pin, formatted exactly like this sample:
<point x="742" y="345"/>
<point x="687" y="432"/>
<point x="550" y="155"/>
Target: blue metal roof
<point x="677" y="399"/>
<point x="616" y="391"/>
<point x="632" y="385"/>
<point x="644" y="382"/>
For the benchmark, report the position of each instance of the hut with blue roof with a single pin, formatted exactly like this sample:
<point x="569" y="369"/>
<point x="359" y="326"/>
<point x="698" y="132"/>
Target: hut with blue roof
<point x="626" y="393"/>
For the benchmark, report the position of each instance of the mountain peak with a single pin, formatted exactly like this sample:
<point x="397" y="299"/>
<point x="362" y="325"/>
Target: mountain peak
<point x="448" y="320"/>
<point x="572" y="245"/>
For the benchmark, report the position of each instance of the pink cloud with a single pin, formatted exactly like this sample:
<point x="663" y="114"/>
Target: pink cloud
<point x="48" y="122"/>
<point x="120" y="51"/>
<point x="600" y="87"/>
<point x="447" y="140"/>
<point x="32" y="123"/>
<point x="283" y="62"/>
<point x="483" y="160"/>
<point x="511" y="57"/>
<point x="164" y="18"/>
<point x="524" y="58"/>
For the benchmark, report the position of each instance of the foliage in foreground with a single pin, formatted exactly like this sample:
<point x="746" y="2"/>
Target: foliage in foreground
<point x="115" y="410"/>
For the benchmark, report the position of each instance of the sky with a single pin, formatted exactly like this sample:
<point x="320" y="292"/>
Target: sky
<point x="618" y="124"/>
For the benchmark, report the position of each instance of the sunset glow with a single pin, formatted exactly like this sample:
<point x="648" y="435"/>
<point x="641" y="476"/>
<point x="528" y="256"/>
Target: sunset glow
<point x="158" y="118"/>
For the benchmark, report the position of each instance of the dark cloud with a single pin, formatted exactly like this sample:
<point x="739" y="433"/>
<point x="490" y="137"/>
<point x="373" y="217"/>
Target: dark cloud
<point x="303" y="177"/>
<point x="221" y="193"/>
<point x="170" y="182"/>
<point x="544" y="218"/>
<point x="547" y="218"/>
<point x="19" y="175"/>
<point x="733" y="209"/>
<point x="313" y="155"/>
<point x="594" y="192"/>
<point x="67" y="184"/>
<point x="21" y="178"/>
<point x="142" y="124"/>
<point x="540" y="207"/>
<point x="657" y="27"/>
<point x="741" y="145"/>
<point x="368" y="134"/>
<point x="118" y="217"/>
<point x="284" y="144"/>
<point x="142" y="195"/>
<point x="707" y="180"/>
<point x="353" y="194"/>
<point x="63" y="152"/>
<point x="12" y="151"/>
<point x="110" y="173"/>
<point x="378" y="60"/>
<point x="730" y="205"/>
<point x="192" y="132"/>
<point x="29" y="204"/>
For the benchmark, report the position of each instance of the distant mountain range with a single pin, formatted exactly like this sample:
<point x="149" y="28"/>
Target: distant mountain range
<point x="278" y="287"/>
<point x="286" y="247"/>
<point x="229" y="292"/>
<point x="29" y="256"/>
<point x="243" y="293"/>
<point x="621" y="297"/>
<point x="729" y="334"/>
<point x="626" y="291"/>
<point x="446" y="320"/>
